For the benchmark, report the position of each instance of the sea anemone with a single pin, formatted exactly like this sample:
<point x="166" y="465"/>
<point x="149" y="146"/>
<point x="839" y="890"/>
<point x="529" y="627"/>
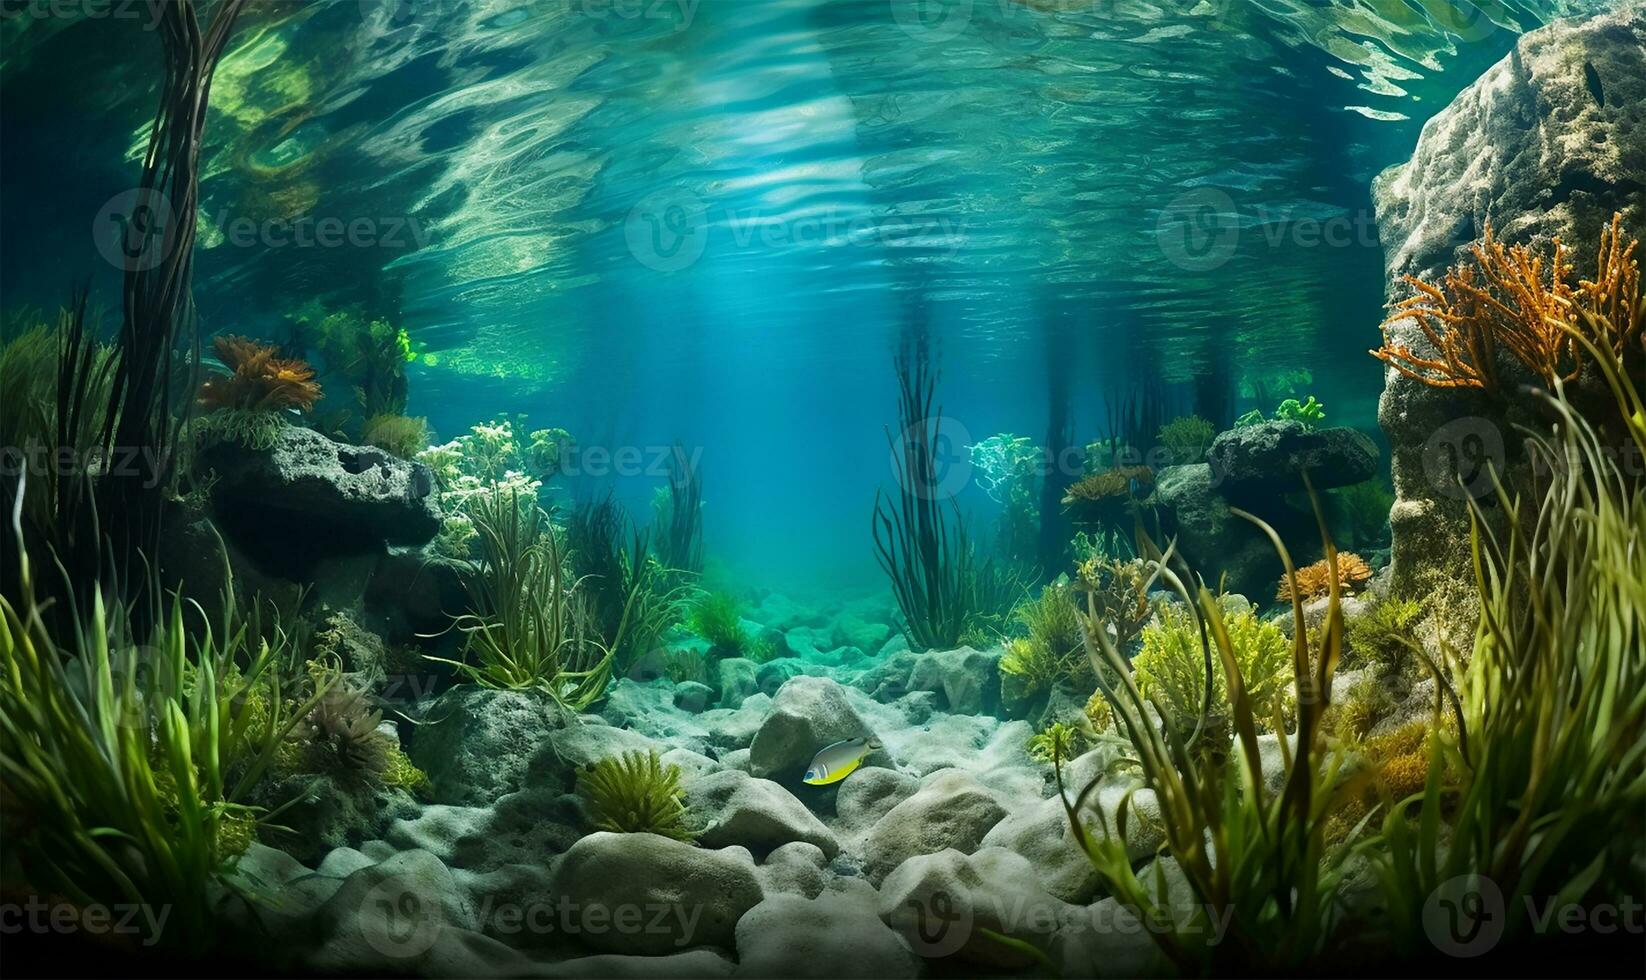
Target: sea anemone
<point x="401" y="435"/>
<point x="635" y="793"/>
<point x="1109" y="485"/>
<point x="261" y="382"/>
<point x="343" y="741"/>
<point x="1315" y="581"/>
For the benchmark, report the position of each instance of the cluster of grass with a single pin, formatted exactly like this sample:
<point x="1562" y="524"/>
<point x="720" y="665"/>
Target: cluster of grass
<point x="635" y="793"/>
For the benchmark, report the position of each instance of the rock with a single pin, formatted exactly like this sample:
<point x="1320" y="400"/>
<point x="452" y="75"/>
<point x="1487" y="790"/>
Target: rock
<point x="869" y="794"/>
<point x="415" y="593"/>
<point x="1254" y="462"/>
<point x="794" y="869"/>
<point x="807" y="714"/>
<point x="918" y="707"/>
<point x="684" y="895"/>
<point x="692" y="696"/>
<point x="308" y="498"/>
<point x="1547" y="143"/>
<point x="359" y="652"/>
<point x="852" y="630"/>
<point x="693" y="964"/>
<point x="1214" y="541"/>
<point x="736" y="679"/>
<point x="836" y="934"/>
<point x="477" y="742"/>
<point x="949" y="810"/>
<point x="735" y="728"/>
<point x="968" y="679"/>
<point x="888" y="679"/>
<point x="289" y="921"/>
<point x="1041" y="833"/>
<point x="1145" y="829"/>
<point x="328" y="813"/>
<point x="780" y="612"/>
<point x="773" y="674"/>
<point x="994" y="890"/>
<point x="735" y="808"/>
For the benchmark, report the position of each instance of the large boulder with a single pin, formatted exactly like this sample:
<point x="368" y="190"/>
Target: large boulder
<point x="837" y="934"/>
<point x="477" y="743"/>
<point x="807" y="714"/>
<point x="687" y="896"/>
<point x="953" y="906"/>
<point x="950" y="810"/>
<point x="735" y="808"/>
<point x="968" y="680"/>
<point x="308" y="498"/>
<point x="1256" y="462"/>
<point x="1548" y="143"/>
<point x="1215" y="542"/>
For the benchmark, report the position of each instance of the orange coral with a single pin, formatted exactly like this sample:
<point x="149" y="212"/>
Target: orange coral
<point x="1505" y="300"/>
<point x="261" y="382"/>
<point x="1109" y="484"/>
<point x="1315" y="581"/>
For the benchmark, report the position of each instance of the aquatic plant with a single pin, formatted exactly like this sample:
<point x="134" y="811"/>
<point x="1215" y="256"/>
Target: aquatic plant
<point x="128" y="750"/>
<point x="1347" y="571"/>
<point x="488" y="462"/>
<point x="527" y="629"/>
<point x="259" y="380"/>
<point x="367" y="354"/>
<point x="1186" y="439"/>
<point x="1052" y="653"/>
<point x="1367" y="703"/>
<point x="635" y="793"/>
<point x="920" y="539"/>
<point x="627" y="594"/>
<point x="1117" y="591"/>
<point x="400" y="435"/>
<point x="1364" y="509"/>
<point x="1059" y="740"/>
<point x="718" y="618"/>
<point x="677" y="517"/>
<point x="685" y="665"/>
<point x="1169" y="666"/>
<point x="340" y="738"/>
<point x="1252" y="850"/>
<point x="1504" y="298"/>
<point x="1098" y="713"/>
<point x="1308" y="413"/>
<point x="1107" y="486"/>
<point x="1253" y="417"/>
<point x="1549" y="714"/>
<point x="1384" y="635"/>
<point x="1009" y="470"/>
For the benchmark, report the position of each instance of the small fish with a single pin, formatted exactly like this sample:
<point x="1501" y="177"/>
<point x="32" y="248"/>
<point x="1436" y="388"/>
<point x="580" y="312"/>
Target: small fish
<point x="839" y="760"/>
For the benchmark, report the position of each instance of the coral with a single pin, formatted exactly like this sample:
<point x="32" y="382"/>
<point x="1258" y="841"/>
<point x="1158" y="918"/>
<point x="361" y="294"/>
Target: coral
<point x="1118" y="483"/>
<point x="260" y="381"/>
<point x="1310" y="413"/>
<point x="1382" y="636"/>
<point x="1315" y="581"/>
<point x="718" y="618"/>
<point x="1171" y="664"/>
<point x="635" y="793"/>
<point x="340" y="738"/>
<point x="401" y="435"/>
<point x="1186" y="439"/>
<point x="1503" y="300"/>
<point x="1058" y="742"/>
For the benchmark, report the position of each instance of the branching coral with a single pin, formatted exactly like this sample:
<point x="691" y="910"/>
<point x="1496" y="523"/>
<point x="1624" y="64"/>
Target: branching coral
<point x="1117" y="593"/>
<point x="1506" y="299"/>
<point x="1315" y="581"/>
<point x="635" y="793"/>
<point x="1308" y="413"/>
<point x="261" y="381"/>
<point x="1117" y="484"/>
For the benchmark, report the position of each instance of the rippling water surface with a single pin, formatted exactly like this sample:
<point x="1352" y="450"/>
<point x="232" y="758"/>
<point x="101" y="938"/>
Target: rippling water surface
<point x="705" y="220"/>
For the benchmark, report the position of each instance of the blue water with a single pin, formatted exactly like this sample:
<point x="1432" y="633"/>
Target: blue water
<point x="707" y="222"/>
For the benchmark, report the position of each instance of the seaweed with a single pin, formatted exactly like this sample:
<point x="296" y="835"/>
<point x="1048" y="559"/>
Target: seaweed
<point x="635" y="793"/>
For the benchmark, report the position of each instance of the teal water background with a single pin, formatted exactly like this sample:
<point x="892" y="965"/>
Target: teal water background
<point x="665" y="221"/>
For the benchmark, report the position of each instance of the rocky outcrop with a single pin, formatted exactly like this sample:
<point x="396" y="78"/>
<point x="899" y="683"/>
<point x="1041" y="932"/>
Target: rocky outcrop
<point x="950" y="810"/>
<point x="1548" y="143"/>
<point x="1256" y="462"/>
<point x="837" y="934"/>
<point x="477" y="742"/>
<point x="1214" y="541"/>
<point x="735" y="808"/>
<point x="808" y="713"/>
<point x="307" y="499"/>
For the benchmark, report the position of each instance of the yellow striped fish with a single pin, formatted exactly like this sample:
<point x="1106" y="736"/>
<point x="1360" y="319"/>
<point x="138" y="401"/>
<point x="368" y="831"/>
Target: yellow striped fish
<point x="839" y="760"/>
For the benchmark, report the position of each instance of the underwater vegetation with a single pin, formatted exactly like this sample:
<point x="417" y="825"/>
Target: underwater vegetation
<point x="259" y="381"/>
<point x="489" y="461"/>
<point x="1009" y="471"/>
<point x="1505" y="298"/>
<point x="1345" y="571"/>
<point x="635" y="793"/>
<point x="1186" y="439"/>
<point x="401" y="435"/>
<point x="627" y="593"/>
<point x="1170" y="666"/>
<point x="677" y="513"/>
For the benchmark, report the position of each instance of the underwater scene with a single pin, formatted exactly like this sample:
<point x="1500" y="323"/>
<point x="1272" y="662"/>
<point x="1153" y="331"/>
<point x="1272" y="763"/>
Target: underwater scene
<point x="822" y="488"/>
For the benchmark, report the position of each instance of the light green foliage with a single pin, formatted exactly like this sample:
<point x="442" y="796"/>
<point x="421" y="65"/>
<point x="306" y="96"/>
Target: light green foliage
<point x="1058" y="742"/>
<point x="1382" y="637"/>
<point x="635" y="793"/>
<point x="718" y="618"/>
<point x="1171" y="665"/>
<point x="1253" y="417"/>
<point x="1311" y="413"/>
<point x="527" y="629"/>
<point x="486" y="464"/>
<point x="130" y="754"/>
<point x="1187" y="438"/>
<point x="400" y="435"/>
<point x="365" y="355"/>
<point x="1051" y="653"/>
<point x="685" y="665"/>
<point x="1009" y="470"/>
<point x="253" y="430"/>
